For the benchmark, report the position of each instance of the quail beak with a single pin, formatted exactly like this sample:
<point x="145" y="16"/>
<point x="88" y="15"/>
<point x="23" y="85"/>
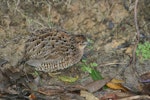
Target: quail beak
<point x="85" y="43"/>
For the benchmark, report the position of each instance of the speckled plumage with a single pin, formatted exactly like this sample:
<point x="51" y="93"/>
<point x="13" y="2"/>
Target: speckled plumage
<point x="50" y="50"/>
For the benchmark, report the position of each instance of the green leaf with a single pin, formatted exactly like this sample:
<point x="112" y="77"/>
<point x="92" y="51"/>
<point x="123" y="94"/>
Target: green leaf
<point x="90" y="47"/>
<point x="35" y="73"/>
<point x="143" y="50"/>
<point x="94" y="64"/>
<point x="68" y="79"/>
<point x="86" y="69"/>
<point x="84" y="61"/>
<point x="140" y="46"/>
<point x="96" y="75"/>
<point x="90" y="41"/>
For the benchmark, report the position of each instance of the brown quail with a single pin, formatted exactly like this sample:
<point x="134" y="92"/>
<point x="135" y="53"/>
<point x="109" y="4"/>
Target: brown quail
<point x="50" y="50"/>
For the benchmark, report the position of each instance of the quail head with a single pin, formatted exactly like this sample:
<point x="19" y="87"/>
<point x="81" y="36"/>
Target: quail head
<point x="50" y="50"/>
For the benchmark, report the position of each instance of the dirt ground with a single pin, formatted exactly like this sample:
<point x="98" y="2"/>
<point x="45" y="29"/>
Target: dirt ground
<point x="108" y="25"/>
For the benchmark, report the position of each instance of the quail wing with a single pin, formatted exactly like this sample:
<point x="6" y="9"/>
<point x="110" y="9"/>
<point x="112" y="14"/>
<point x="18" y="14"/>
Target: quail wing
<point x="49" y="50"/>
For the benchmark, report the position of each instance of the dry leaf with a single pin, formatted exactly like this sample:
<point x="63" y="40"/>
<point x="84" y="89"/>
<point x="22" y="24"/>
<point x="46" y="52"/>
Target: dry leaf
<point x="88" y="96"/>
<point x="96" y="85"/>
<point x="145" y="78"/>
<point x="129" y="51"/>
<point x="111" y="96"/>
<point x="32" y="97"/>
<point x="137" y="97"/>
<point x="50" y="90"/>
<point x="116" y="81"/>
<point x="116" y="84"/>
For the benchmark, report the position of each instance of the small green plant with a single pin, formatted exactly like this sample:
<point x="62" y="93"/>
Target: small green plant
<point x="143" y="50"/>
<point x="95" y="74"/>
<point x="90" y="42"/>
